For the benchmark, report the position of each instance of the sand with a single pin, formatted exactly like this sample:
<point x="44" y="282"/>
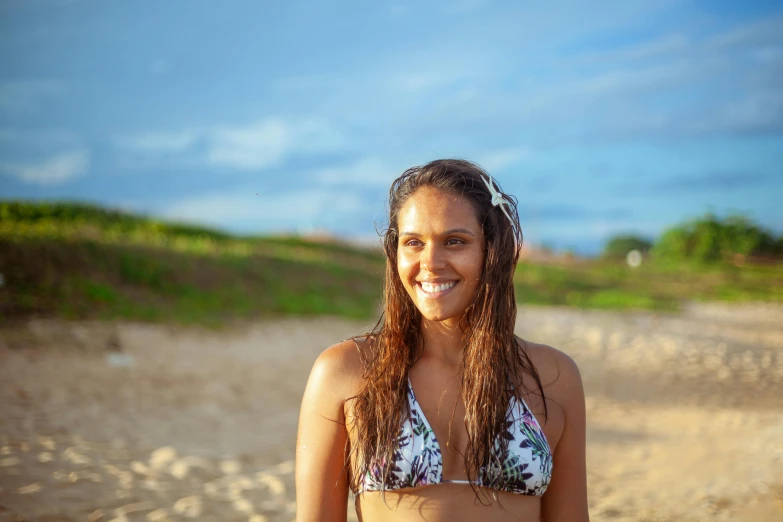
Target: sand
<point x="684" y="415"/>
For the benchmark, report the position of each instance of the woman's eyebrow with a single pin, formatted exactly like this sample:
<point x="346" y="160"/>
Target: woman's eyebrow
<point x="446" y="233"/>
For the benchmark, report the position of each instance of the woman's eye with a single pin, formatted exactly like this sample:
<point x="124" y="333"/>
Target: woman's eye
<point x="418" y="243"/>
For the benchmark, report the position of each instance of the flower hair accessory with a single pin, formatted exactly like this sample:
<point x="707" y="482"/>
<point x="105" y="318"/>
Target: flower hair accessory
<point x="497" y="198"/>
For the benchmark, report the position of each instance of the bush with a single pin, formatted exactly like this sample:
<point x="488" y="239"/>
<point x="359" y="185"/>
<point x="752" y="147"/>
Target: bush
<point x="43" y="212"/>
<point x="619" y="246"/>
<point x="710" y="239"/>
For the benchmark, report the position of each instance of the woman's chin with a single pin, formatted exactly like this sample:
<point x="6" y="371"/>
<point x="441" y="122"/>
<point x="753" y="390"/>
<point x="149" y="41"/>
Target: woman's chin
<point x="440" y="316"/>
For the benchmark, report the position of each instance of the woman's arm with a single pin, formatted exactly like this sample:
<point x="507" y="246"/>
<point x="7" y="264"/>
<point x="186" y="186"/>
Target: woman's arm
<point x="565" y="499"/>
<point x="321" y="475"/>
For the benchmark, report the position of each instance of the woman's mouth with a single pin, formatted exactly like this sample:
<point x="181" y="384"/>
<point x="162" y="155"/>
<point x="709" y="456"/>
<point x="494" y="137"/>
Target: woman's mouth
<point x="435" y="290"/>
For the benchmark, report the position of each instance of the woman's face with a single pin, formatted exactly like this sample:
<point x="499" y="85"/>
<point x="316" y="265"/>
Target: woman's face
<point x="440" y="253"/>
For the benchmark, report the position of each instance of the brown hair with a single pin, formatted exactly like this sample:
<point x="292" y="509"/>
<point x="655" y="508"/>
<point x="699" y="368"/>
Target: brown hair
<point x="494" y="363"/>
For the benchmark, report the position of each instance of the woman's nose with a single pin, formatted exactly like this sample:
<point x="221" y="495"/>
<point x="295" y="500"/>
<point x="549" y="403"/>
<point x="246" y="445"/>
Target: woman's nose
<point x="432" y="258"/>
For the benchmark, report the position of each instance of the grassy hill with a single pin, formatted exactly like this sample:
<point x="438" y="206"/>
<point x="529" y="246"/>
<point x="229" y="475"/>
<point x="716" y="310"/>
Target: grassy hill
<point x="83" y="261"/>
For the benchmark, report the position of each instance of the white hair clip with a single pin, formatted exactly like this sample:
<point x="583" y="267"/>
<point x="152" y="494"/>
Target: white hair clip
<point x="497" y="198"/>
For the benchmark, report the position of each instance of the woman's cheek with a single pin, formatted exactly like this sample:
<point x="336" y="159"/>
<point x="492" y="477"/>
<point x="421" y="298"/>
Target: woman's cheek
<point x="405" y="263"/>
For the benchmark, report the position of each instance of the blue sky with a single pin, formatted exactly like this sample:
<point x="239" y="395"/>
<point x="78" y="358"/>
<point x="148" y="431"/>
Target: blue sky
<point x="600" y="117"/>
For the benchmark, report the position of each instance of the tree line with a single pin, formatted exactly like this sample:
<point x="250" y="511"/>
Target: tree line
<point x="707" y="239"/>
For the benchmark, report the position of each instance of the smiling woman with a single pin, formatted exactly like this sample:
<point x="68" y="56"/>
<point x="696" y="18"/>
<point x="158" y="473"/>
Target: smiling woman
<point x="495" y="429"/>
<point x="439" y="266"/>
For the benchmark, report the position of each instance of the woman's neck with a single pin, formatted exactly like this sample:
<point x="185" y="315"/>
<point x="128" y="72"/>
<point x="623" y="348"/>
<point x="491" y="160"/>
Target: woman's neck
<point x="443" y="340"/>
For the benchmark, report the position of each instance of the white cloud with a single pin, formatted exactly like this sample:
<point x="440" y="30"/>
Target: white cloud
<point x="625" y="81"/>
<point x="547" y="89"/>
<point x="318" y="135"/>
<point x="370" y="171"/>
<point x="761" y="31"/>
<point x="254" y="146"/>
<point x="161" y="141"/>
<point x="250" y="210"/>
<point x="762" y="111"/>
<point x="499" y="160"/>
<point x="503" y="81"/>
<point x="53" y="171"/>
<point x="653" y="49"/>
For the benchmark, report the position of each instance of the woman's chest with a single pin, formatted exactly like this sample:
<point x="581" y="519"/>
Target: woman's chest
<point x="435" y="435"/>
<point x="439" y="419"/>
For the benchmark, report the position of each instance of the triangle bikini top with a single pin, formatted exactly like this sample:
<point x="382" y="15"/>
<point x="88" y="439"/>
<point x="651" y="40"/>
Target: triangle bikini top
<point x="525" y="468"/>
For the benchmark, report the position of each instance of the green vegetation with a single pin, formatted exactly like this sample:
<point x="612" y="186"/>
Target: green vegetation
<point x="710" y="239"/>
<point x="81" y="261"/>
<point x="619" y="246"/>
<point x="659" y="285"/>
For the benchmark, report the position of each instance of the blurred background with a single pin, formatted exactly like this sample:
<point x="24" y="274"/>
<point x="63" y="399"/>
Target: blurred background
<point x="190" y="194"/>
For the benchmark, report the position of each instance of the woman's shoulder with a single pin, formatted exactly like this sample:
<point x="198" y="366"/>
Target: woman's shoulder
<point x="558" y="372"/>
<point x="339" y="367"/>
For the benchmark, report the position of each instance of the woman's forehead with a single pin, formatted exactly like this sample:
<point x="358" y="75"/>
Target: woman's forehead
<point x="432" y="210"/>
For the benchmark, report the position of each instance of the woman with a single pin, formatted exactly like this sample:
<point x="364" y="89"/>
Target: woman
<point x="442" y="413"/>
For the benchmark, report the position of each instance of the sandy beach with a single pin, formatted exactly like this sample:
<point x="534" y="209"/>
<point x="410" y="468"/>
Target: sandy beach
<point x="684" y="414"/>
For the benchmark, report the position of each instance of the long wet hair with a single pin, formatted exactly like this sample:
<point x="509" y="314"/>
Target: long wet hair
<point x="495" y="360"/>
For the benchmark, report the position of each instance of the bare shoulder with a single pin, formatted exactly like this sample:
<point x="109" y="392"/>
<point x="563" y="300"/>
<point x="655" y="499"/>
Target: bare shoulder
<point x="559" y="373"/>
<point x="338" y="368"/>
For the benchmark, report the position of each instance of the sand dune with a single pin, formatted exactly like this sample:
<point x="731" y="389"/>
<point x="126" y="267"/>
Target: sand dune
<point x="684" y="415"/>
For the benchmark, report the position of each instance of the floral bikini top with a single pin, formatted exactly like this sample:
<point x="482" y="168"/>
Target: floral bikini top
<point x="525" y="468"/>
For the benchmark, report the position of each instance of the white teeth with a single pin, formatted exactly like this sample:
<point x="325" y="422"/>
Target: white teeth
<point x="432" y="288"/>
